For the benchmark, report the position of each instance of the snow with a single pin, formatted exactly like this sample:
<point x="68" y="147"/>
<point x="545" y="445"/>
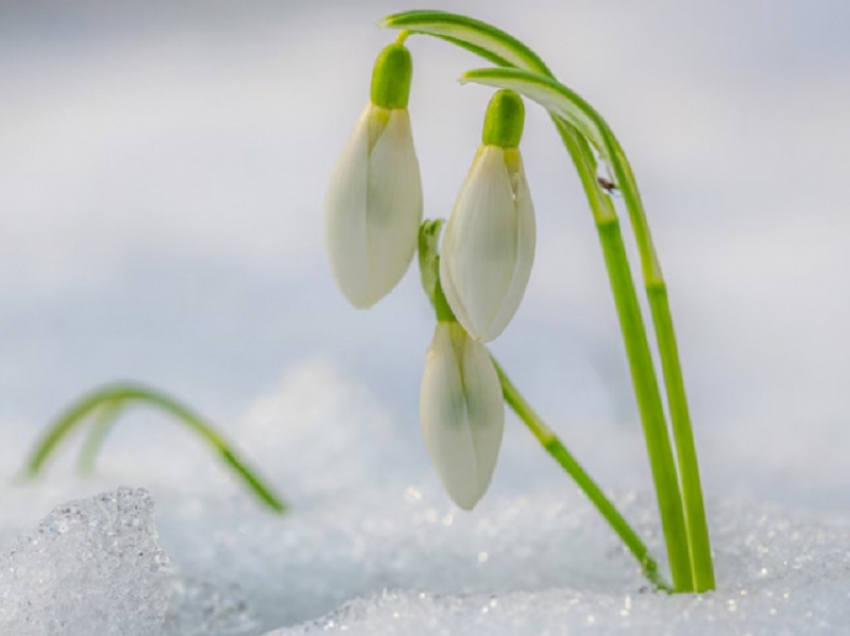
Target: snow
<point x="91" y="566"/>
<point x="780" y="573"/>
<point x="372" y="551"/>
<point x="411" y="564"/>
<point x="95" y="566"/>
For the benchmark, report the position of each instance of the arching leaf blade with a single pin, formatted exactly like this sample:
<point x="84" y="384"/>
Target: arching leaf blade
<point x="479" y="37"/>
<point x="560" y="101"/>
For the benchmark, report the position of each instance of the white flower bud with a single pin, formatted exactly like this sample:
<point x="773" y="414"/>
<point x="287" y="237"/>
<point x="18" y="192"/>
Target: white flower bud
<point x="373" y="206"/>
<point x="462" y="413"/>
<point x="488" y="249"/>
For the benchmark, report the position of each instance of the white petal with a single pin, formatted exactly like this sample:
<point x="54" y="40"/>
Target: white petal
<point x="485" y="408"/>
<point x="525" y="246"/>
<point x="373" y="207"/>
<point x="345" y="215"/>
<point x="488" y="248"/>
<point x="443" y="416"/>
<point x="461" y="413"/>
<point x="394" y="205"/>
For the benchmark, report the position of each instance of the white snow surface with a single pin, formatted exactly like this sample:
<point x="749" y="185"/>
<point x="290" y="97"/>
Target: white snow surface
<point x="94" y="566"/>
<point x="377" y="548"/>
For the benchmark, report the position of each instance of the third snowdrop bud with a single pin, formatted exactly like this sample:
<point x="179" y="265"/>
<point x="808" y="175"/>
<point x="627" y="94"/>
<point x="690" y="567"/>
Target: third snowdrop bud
<point x="373" y="205"/>
<point x="488" y="249"/>
<point x="461" y="412"/>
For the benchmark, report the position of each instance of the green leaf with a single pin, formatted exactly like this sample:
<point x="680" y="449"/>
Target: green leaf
<point x="560" y="101"/>
<point x="106" y="400"/>
<point x="474" y="35"/>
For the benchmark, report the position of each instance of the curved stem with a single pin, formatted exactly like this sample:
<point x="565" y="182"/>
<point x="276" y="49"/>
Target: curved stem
<point x="668" y="349"/>
<point x="430" y="276"/>
<point x="78" y="412"/>
<point x="649" y="404"/>
<point x="696" y="525"/>
<point x="700" y="543"/>
<point x="644" y="380"/>
<point x="560" y="454"/>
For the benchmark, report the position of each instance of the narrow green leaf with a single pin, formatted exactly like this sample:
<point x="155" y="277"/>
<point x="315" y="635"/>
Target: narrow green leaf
<point x="555" y="97"/>
<point x="474" y="35"/>
<point x="118" y="396"/>
<point x="481" y="52"/>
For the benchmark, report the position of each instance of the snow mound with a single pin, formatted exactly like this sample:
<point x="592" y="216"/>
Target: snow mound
<point x="95" y="566"/>
<point x="199" y="608"/>
<point x="91" y="567"/>
<point x="374" y="546"/>
<point x="779" y="574"/>
<point x="381" y="565"/>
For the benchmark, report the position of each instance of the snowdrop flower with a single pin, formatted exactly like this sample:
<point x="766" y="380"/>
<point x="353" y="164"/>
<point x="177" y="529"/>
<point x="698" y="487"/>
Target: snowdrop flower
<point x="488" y="249"/>
<point x="461" y="413"/>
<point x="373" y="205"/>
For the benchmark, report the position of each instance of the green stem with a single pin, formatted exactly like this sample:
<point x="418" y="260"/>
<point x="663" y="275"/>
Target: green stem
<point x="696" y="526"/>
<point x="665" y="335"/>
<point x="78" y="413"/>
<point x="560" y="454"/>
<point x="700" y="543"/>
<point x="642" y="369"/>
<point x="649" y="404"/>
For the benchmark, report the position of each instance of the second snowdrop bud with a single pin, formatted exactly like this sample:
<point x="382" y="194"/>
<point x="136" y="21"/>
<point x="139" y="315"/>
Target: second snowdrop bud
<point x="488" y="249"/>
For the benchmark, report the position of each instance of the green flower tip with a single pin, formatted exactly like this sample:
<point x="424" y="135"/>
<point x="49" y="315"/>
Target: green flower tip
<point x="391" y="77"/>
<point x="504" y="120"/>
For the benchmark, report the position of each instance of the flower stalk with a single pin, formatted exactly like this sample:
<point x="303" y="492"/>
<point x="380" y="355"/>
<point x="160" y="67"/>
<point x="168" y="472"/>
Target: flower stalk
<point x="550" y="442"/>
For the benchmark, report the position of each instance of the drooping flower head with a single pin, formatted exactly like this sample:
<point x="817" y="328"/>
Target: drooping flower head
<point x="460" y="403"/>
<point x="373" y="205"/>
<point x="488" y="250"/>
<point x="461" y="413"/>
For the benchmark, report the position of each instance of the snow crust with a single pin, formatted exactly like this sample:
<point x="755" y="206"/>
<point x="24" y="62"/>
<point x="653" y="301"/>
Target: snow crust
<point x="95" y="566"/>
<point x="91" y="566"/>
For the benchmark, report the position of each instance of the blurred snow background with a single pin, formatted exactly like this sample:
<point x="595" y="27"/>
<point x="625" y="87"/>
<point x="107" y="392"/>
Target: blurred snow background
<point x="162" y="168"/>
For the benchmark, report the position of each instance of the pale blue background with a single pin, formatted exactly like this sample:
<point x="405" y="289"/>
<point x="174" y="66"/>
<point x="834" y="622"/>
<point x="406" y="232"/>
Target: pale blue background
<point x="162" y="167"/>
